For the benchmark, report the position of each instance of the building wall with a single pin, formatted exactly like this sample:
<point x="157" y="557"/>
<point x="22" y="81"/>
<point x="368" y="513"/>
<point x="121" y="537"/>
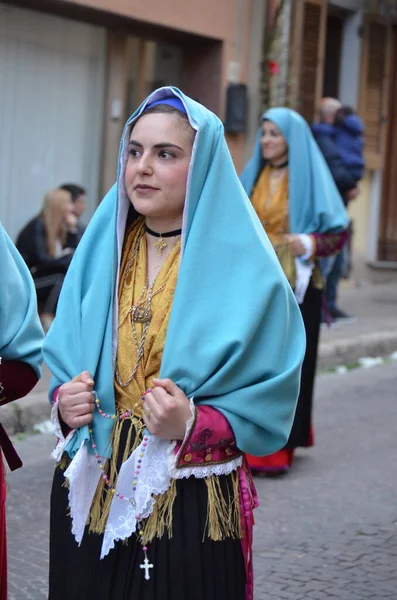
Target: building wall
<point x="365" y="210"/>
<point x="359" y="211"/>
<point x="201" y="66"/>
<point x="209" y="18"/>
<point x="51" y="115"/>
<point x="200" y="46"/>
<point x="349" y="84"/>
<point x="349" y="93"/>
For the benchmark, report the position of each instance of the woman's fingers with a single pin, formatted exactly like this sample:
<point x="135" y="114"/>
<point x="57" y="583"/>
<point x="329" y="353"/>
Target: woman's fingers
<point x="71" y="389"/>
<point x="84" y="377"/>
<point x="80" y="421"/>
<point x="82" y="398"/>
<point x="76" y="400"/>
<point x="151" y="406"/>
<point x="168" y="385"/>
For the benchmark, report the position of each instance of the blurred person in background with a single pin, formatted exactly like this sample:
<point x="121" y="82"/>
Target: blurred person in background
<point x="47" y="244"/>
<point x="296" y="200"/>
<point x="339" y="135"/>
<point x="20" y="360"/>
<point x="78" y="195"/>
<point x="348" y="132"/>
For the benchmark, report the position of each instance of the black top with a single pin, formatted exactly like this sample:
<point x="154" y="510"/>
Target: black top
<point x="32" y="244"/>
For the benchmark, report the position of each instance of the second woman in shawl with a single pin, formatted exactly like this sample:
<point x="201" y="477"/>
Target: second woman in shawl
<point x="296" y="200"/>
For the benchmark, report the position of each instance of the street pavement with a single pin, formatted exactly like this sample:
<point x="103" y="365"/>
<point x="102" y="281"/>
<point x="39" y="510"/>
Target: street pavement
<point x="374" y="331"/>
<point x="326" y="530"/>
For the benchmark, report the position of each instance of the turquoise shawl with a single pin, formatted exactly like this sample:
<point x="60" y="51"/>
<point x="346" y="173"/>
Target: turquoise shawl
<point x="315" y="205"/>
<point x="21" y="334"/>
<point x="235" y="338"/>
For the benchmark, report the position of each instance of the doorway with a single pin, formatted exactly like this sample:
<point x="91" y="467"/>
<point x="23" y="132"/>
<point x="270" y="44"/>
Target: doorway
<point x="387" y="243"/>
<point x="333" y="53"/>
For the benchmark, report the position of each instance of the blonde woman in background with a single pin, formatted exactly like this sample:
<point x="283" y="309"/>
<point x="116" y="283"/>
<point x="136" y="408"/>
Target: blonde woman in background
<point x="47" y="244"/>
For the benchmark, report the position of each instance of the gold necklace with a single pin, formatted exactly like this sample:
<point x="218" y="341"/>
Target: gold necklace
<point x="140" y="313"/>
<point x="161" y="245"/>
<point x="275" y="180"/>
<point x="140" y="347"/>
<point x="145" y="317"/>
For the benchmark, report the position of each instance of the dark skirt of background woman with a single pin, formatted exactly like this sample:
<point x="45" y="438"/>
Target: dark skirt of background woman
<point x="302" y="429"/>
<point x="186" y="566"/>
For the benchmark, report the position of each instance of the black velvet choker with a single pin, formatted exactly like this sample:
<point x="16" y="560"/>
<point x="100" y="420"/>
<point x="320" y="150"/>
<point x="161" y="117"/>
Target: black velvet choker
<point x="163" y="235"/>
<point x="282" y="166"/>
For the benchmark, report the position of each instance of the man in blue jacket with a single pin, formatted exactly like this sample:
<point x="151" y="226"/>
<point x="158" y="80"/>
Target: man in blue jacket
<point x="326" y="134"/>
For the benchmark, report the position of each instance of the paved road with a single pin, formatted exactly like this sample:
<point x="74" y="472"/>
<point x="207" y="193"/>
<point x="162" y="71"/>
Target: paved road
<point x="327" y="530"/>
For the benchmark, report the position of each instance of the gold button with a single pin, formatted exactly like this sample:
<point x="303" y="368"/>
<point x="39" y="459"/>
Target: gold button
<point x="208" y="458"/>
<point x="229" y="451"/>
<point x="187" y="458"/>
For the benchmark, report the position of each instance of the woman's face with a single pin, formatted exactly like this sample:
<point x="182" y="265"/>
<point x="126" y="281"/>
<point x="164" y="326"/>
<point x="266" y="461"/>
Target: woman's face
<point x="273" y="143"/>
<point x="160" y="149"/>
<point x="67" y="208"/>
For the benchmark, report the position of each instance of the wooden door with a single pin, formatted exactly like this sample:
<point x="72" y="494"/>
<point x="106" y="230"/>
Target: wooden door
<point x="307" y="56"/>
<point x="332" y="58"/>
<point x="387" y="246"/>
<point x="374" y="91"/>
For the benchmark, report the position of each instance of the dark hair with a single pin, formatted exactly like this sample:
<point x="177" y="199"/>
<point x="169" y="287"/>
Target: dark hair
<point x="165" y="109"/>
<point x="74" y="190"/>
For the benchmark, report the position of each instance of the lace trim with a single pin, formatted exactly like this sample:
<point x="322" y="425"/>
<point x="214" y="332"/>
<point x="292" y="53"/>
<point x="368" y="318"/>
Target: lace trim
<point x="62" y="440"/>
<point x="157" y="468"/>
<point x="303" y="275"/>
<point x="83" y="476"/>
<point x="151" y="479"/>
<point x="205" y="470"/>
<point x="308" y="243"/>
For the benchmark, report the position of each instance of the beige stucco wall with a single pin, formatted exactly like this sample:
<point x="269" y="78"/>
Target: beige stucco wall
<point x="210" y="18"/>
<point x="229" y="21"/>
<point x="359" y="210"/>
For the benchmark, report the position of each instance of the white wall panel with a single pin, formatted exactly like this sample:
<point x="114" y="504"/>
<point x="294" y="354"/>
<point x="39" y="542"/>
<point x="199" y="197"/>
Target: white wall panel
<point x="52" y="74"/>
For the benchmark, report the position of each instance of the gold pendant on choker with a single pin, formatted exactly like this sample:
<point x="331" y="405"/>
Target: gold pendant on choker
<point x="160" y="245"/>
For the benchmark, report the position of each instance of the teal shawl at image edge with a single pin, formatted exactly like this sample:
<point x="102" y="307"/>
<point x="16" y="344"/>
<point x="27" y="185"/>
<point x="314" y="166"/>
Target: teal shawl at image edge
<point x="21" y="334"/>
<point x="235" y="338"/>
<point x="315" y="205"/>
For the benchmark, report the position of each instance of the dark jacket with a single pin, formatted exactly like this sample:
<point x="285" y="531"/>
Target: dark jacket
<point x="343" y="178"/>
<point x="32" y="244"/>
<point x="349" y="137"/>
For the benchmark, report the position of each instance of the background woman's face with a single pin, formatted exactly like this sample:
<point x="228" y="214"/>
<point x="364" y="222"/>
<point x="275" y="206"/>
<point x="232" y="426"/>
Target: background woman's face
<point x="273" y="143"/>
<point x="156" y="173"/>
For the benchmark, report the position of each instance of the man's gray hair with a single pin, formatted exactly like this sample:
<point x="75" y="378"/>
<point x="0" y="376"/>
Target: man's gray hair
<point x="329" y="106"/>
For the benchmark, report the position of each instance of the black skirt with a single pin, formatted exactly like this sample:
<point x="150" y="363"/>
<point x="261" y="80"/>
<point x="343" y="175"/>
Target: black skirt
<point x="187" y="566"/>
<point x="311" y="313"/>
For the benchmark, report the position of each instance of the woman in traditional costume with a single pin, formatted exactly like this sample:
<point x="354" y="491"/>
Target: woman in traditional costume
<point x="177" y="347"/>
<point x="299" y="206"/>
<point x="20" y="359"/>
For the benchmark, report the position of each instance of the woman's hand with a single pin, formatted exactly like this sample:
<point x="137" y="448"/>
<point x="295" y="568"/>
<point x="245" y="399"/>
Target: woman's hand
<point x="296" y="245"/>
<point x="166" y="410"/>
<point x="76" y="401"/>
<point x="71" y="222"/>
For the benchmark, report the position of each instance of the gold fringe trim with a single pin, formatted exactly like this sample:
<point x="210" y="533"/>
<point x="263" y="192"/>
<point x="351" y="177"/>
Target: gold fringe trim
<point x="64" y="462"/>
<point x="102" y="501"/>
<point x="161" y="517"/>
<point x="223" y="505"/>
<point x="223" y="513"/>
